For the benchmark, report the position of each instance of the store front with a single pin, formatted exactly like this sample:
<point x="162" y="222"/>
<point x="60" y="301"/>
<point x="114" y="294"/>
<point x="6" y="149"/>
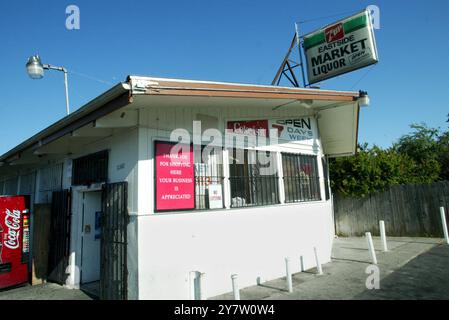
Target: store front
<point x="176" y="178"/>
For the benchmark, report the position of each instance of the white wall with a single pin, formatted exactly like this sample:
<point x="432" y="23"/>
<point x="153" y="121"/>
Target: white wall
<point x="122" y="166"/>
<point x="122" y="161"/>
<point x="252" y="242"/>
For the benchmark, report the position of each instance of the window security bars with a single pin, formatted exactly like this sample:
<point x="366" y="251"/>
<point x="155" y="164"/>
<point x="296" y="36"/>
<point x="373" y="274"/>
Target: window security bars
<point x="301" y="179"/>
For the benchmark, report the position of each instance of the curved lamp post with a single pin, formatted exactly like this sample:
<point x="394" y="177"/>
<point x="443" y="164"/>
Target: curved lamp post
<point x="35" y="70"/>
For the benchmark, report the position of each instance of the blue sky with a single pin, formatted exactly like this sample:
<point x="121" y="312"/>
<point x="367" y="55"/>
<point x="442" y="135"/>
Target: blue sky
<point x="236" y="41"/>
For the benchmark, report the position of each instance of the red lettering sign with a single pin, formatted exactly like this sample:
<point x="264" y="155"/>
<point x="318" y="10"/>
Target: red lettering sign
<point x="253" y="127"/>
<point x="175" y="180"/>
<point x="334" y="33"/>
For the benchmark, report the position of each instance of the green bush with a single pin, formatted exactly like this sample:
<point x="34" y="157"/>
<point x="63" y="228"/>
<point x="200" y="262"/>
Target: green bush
<point x="419" y="157"/>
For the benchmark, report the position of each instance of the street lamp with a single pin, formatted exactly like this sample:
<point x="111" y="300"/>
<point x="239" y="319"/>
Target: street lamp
<point x="35" y="70"/>
<point x="363" y="98"/>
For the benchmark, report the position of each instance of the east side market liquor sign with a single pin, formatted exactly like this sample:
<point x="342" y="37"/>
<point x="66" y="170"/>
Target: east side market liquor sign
<point x="340" y="48"/>
<point x="175" y="187"/>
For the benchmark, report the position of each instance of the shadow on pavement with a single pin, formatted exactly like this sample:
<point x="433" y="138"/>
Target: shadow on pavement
<point x="424" y="277"/>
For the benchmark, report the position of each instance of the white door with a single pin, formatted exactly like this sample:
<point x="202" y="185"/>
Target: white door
<point x="91" y="233"/>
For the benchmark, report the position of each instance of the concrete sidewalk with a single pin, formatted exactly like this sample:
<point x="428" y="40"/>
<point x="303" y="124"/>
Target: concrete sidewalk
<point x="414" y="268"/>
<point x="49" y="291"/>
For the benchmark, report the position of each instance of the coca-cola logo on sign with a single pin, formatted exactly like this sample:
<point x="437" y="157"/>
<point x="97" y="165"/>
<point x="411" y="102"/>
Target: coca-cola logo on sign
<point x="251" y="127"/>
<point x="334" y="33"/>
<point x="12" y="223"/>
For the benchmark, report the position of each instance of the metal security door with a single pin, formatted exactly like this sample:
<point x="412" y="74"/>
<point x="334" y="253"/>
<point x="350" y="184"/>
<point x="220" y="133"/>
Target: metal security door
<point x="58" y="257"/>
<point x="113" y="268"/>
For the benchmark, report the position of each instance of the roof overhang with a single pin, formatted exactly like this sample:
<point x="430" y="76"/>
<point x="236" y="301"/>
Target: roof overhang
<point x="176" y="87"/>
<point x="337" y="111"/>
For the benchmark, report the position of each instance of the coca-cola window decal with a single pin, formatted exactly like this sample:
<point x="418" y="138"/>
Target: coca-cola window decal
<point x="175" y="181"/>
<point x="249" y="127"/>
<point x="291" y="129"/>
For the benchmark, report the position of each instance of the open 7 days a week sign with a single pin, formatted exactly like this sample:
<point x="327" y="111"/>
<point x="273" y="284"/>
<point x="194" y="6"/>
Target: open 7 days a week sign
<point x="175" y="187"/>
<point x="342" y="47"/>
<point x="291" y="129"/>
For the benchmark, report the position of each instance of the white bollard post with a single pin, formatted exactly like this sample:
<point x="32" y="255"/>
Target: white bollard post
<point x="288" y="275"/>
<point x="383" y="236"/>
<point x="443" y="221"/>
<point x="235" y="287"/>
<point x="202" y="286"/>
<point x="372" y="253"/>
<point x="318" y="263"/>
<point x="192" y="278"/>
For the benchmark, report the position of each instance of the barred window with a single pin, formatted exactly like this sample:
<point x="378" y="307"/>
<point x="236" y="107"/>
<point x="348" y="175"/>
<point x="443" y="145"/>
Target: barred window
<point x="208" y="177"/>
<point x="253" y="178"/>
<point x="301" y="179"/>
<point x="90" y="169"/>
<point x="326" y="177"/>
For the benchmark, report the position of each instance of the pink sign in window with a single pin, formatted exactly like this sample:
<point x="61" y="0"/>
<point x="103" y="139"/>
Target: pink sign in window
<point x="175" y="180"/>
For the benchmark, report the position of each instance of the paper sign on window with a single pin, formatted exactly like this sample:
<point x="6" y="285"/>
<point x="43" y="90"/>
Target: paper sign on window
<point x="215" y="196"/>
<point x="175" y="183"/>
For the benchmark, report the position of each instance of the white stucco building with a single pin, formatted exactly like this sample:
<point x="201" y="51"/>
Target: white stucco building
<point x="222" y="217"/>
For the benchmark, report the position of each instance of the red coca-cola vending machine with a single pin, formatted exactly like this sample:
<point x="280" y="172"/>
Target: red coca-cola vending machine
<point x="14" y="240"/>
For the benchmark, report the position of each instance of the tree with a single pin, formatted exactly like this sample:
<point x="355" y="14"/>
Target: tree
<point x="422" y="146"/>
<point x="370" y="170"/>
<point x="443" y="155"/>
<point x="421" y="156"/>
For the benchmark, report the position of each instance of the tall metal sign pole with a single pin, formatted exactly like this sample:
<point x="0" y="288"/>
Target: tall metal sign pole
<point x="287" y="66"/>
<point x="298" y="41"/>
